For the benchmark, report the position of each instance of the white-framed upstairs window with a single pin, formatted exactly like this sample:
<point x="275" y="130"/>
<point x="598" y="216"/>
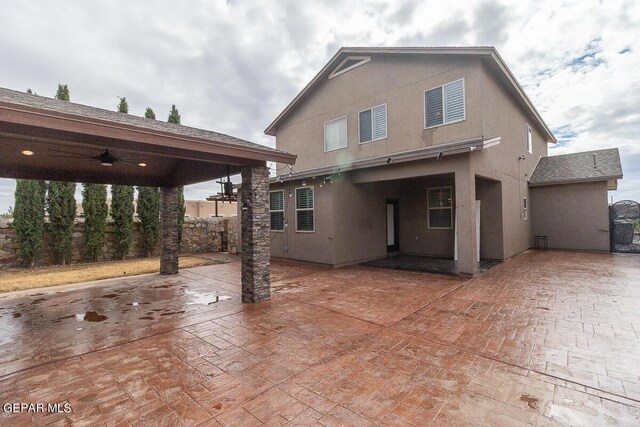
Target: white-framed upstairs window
<point x="276" y="210"/>
<point x="335" y="134"/>
<point x="525" y="208"/>
<point x="440" y="208"/>
<point x="444" y="104"/>
<point x="305" y="221"/>
<point x="372" y="124"/>
<point x="529" y="139"/>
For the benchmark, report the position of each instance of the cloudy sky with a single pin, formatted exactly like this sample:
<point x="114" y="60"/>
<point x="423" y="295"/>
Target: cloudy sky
<point x="232" y="66"/>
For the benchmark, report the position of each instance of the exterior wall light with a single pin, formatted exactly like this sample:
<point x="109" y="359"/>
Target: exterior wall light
<point x="27" y="152"/>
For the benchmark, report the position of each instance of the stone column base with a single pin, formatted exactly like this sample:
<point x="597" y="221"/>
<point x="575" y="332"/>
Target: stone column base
<point x="169" y="246"/>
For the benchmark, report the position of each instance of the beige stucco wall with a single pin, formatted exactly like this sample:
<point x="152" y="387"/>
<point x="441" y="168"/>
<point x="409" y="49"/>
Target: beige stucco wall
<point x="316" y="246"/>
<point x="494" y="176"/>
<point x="350" y="214"/>
<point x="491" y="233"/>
<point x="573" y="216"/>
<point x="503" y="117"/>
<point x="398" y="81"/>
<point x="415" y="235"/>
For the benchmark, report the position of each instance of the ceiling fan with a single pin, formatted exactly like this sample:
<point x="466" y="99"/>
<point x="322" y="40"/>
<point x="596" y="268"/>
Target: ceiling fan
<point x="105" y="158"/>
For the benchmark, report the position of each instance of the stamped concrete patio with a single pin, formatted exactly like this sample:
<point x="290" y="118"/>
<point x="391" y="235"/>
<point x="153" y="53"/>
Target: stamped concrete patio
<point x="545" y="338"/>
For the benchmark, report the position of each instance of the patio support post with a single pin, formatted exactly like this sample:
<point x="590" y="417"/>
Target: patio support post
<point x="254" y="213"/>
<point x="465" y="195"/>
<point x="169" y="248"/>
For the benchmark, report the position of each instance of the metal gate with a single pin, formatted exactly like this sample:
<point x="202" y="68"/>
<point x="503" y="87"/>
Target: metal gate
<point x="624" y="218"/>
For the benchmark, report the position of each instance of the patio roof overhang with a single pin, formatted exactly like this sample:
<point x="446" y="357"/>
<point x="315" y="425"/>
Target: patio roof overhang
<point x="65" y="138"/>
<point x="48" y="139"/>
<point x="433" y="152"/>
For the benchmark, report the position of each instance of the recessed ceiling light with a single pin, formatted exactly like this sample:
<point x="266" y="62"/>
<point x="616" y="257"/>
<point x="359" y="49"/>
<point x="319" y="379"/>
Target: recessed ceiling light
<point x="27" y="152"/>
<point x="142" y="165"/>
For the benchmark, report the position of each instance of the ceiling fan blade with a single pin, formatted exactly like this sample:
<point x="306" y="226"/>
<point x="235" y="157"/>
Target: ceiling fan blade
<point x="67" y="152"/>
<point x="73" y="157"/>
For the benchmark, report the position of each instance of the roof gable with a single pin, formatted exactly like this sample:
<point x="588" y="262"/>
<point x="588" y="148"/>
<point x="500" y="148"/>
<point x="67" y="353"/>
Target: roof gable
<point x="489" y="53"/>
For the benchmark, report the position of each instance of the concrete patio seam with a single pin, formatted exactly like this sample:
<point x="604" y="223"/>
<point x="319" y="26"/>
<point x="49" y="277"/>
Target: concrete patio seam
<point x="431" y="302"/>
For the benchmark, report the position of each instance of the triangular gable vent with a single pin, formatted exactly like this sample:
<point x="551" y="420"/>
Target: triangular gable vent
<point x="349" y="63"/>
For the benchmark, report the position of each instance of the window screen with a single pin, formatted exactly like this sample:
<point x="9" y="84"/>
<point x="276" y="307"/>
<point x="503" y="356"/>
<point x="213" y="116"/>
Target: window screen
<point x="373" y="123"/>
<point x="276" y="210"/>
<point x="440" y="207"/>
<point x="433" y="99"/>
<point x="444" y="104"/>
<point x="304" y="209"/>
<point x="335" y="134"/>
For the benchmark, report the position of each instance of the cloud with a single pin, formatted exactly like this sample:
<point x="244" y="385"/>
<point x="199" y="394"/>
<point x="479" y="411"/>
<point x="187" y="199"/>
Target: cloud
<point x="233" y="66"/>
<point x="404" y="14"/>
<point x="451" y="32"/>
<point x="490" y="23"/>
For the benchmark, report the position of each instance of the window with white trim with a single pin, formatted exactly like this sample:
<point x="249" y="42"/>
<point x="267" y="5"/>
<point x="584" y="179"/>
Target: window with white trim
<point x="440" y="207"/>
<point x="335" y="134"/>
<point x="444" y="104"/>
<point x="525" y="209"/>
<point x="373" y="123"/>
<point x="304" y="209"/>
<point x="529" y="139"/>
<point x="276" y="210"/>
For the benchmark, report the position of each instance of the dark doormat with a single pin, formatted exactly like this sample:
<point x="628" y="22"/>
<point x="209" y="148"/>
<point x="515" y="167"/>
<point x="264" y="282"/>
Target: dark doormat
<point x="425" y="264"/>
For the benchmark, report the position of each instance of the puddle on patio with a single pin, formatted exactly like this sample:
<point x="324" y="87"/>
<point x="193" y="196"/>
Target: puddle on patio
<point x="90" y="316"/>
<point x="198" y="298"/>
<point x="531" y="401"/>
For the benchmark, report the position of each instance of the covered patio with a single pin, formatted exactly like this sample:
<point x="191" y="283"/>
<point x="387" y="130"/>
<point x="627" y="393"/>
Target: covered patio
<point x="49" y="139"/>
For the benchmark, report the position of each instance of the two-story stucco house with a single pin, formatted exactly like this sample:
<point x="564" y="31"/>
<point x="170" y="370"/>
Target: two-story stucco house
<point x="423" y="151"/>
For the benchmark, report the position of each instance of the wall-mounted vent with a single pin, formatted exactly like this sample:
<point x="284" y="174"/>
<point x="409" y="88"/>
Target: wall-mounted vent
<point x="349" y="63"/>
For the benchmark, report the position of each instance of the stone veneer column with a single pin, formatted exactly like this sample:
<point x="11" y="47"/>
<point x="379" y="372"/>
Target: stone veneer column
<point x="169" y="233"/>
<point x="254" y="213"/>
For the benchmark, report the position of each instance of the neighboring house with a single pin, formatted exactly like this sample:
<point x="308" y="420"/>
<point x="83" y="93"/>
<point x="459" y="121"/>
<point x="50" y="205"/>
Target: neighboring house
<point x="424" y="151"/>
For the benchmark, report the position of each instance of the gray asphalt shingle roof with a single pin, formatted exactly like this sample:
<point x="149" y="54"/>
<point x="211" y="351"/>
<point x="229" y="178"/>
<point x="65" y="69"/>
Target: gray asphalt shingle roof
<point x="65" y="107"/>
<point x="578" y="167"/>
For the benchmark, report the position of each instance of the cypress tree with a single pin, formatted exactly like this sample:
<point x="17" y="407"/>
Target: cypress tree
<point x="63" y="93"/>
<point x="61" y="206"/>
<point x="123" y="106"/>
<point x="28" y="218"/>
<point x="122" y="214"/>
<point x="94" y="205"/>
<point x="148" y="208"/>
<point x="122" y="207"/>
<point x="174" y="117"/>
